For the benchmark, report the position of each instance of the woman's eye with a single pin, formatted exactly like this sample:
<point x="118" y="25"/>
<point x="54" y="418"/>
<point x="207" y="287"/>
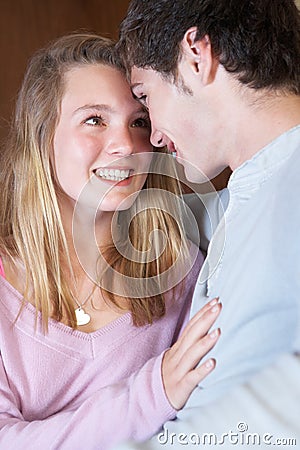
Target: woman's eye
<point x="95" y="120"/>
<point x="141" y="122"/>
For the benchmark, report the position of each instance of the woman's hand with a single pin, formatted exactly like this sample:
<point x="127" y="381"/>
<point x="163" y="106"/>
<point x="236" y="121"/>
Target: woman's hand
<point x="180" y="370"/>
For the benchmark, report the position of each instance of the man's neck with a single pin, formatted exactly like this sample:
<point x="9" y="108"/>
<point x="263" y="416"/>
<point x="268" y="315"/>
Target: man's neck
<point x="261" y="123"/>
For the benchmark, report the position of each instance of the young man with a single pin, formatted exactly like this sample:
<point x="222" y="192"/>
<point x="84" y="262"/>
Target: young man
<point x="221" y="80"/>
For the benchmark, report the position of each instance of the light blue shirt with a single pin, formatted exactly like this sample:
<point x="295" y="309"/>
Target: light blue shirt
<point x="253" y="265"/>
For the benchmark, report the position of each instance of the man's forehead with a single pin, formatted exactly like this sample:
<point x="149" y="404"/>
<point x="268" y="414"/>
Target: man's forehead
<point x="136" y="74"/>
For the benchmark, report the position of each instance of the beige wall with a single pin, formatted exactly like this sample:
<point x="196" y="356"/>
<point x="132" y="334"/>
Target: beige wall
<point x="27" y="25"/>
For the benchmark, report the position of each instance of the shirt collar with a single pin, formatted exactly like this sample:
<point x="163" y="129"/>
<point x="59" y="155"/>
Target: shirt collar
<point x="255" y="171"/>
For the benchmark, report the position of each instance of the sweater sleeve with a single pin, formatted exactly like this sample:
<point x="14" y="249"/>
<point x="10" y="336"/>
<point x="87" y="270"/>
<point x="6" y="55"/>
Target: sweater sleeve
<point x="135" y="409"/>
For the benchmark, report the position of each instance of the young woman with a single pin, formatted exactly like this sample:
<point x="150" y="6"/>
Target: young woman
<point x="92" y="348"/>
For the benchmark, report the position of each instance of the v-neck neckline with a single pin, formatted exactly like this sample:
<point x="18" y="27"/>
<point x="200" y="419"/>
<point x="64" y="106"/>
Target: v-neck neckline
<point x="77" y="341"/>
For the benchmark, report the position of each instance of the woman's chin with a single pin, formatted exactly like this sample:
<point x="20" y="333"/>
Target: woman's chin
<point x="117" y="204"/>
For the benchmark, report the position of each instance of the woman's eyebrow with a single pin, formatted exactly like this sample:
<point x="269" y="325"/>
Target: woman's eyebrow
<point x="100" y="108"/>
<point x="103" y="108"/>
<point x="141" y="109"/>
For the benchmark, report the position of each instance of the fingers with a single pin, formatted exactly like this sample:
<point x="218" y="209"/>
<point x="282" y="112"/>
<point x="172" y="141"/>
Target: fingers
<point x="186" y="376"/>
<point x="199" y="315"/>
<point x="197" y="328"/>
<point x="194" y="377"/>
<point x="196" y="352"/>
<point x="204" y="308"/>
<point x="179" y="371"/>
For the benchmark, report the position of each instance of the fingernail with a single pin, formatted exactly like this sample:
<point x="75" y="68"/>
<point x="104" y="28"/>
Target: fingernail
<point x="209" y="364"/>
<point x="214" y="333"/>
<point x="214" y="301"/>
<point x="215" y="308"/>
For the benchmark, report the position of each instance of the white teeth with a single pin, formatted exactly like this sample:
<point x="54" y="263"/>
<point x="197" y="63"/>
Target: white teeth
<point x="113" y="174"/>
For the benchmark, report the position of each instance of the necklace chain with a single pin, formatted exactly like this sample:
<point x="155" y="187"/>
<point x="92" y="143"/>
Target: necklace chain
<point x="80" y="305"/>
<point x="82" y="318"/>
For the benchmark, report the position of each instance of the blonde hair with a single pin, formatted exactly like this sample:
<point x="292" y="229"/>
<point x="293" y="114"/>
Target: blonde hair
<point x="31" y="228"/>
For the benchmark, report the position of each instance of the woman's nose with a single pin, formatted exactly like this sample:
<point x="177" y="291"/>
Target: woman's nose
<point x="121" y="143"/>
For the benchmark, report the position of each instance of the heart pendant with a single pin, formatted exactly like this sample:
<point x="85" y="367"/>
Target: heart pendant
<point x="82" y="317"/>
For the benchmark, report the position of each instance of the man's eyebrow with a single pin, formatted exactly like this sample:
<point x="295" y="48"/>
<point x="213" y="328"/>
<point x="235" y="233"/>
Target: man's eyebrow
<point x="100" y="108"/>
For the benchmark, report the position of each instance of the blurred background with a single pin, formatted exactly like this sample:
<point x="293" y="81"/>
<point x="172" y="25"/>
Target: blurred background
<point x="27" y="25"/>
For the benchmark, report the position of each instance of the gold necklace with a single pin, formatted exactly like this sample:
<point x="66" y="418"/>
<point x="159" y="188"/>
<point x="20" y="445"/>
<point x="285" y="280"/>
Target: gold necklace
<point x="82" y="317"/>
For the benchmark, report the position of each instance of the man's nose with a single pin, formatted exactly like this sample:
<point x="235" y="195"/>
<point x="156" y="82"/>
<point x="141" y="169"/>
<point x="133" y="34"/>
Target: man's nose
<point x="158" y="139"/>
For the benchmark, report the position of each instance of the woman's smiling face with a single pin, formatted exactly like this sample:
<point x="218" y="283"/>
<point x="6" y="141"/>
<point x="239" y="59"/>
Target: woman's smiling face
<point x="100" y="130"/>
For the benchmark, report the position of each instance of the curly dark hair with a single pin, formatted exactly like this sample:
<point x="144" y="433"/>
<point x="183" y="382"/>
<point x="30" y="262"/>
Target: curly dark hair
<point x="257" y="40"/>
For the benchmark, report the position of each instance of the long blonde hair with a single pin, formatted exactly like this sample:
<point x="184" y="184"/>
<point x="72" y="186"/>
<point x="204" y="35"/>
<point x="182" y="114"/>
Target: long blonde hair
<point x="31" y="228"/>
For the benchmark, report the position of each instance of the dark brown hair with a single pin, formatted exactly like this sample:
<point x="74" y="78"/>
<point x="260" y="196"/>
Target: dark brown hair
<point x="258" y="40"/>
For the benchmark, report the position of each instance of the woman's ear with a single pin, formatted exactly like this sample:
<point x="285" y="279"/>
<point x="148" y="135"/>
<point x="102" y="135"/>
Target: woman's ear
<point x="198" y="55"/>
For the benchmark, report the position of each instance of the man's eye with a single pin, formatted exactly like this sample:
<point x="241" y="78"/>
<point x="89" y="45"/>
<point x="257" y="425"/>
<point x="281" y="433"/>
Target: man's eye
<point x="95" y="120"/>
<point x="141" y="122"/>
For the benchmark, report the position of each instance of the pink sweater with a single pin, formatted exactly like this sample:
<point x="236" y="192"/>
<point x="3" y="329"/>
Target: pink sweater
<point x="70" y="390"/>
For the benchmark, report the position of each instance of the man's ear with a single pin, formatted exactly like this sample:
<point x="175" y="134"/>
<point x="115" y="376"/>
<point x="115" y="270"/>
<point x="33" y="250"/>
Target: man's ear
<point x="198" y="55"/>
